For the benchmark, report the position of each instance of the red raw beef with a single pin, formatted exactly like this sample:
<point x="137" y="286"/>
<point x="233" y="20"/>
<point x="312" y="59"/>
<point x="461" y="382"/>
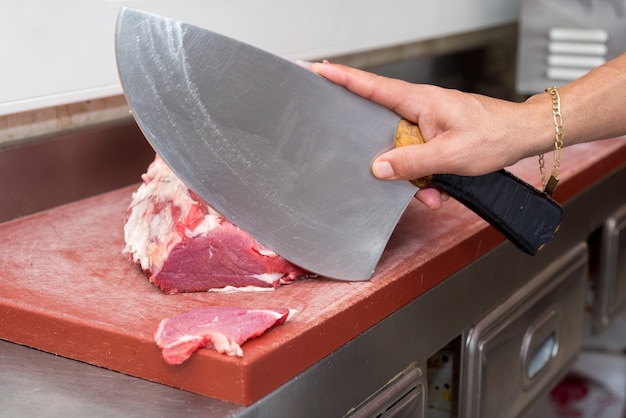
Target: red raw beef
<point x="223" y="329"/>
<point x="184" y="245"/>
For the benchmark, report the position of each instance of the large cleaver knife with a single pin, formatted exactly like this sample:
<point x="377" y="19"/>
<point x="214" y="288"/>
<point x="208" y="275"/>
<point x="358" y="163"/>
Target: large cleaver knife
<point x="285" y="154"/>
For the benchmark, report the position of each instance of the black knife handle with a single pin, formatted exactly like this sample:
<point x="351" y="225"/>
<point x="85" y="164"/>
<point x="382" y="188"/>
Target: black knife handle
<point x="525" y="215"/>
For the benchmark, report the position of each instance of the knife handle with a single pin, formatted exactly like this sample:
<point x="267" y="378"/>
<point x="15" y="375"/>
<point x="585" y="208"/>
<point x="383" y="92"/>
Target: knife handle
<point x="408" y="133"/>
<point x="524" y="215"/>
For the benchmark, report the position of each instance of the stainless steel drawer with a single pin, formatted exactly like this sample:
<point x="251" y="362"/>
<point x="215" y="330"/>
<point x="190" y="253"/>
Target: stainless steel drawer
<point x="519" y="349"/>
<point x="610" y="295"/>
<point x="404" y="396"/>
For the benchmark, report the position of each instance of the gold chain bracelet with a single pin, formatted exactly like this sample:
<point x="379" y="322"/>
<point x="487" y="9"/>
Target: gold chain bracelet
<point x="550" y="186"/>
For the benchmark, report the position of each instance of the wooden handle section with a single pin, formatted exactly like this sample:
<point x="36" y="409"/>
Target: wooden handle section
<point x="408" y="133"/>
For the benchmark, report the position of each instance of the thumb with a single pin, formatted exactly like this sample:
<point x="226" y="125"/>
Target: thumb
<point x="405" y="163"/>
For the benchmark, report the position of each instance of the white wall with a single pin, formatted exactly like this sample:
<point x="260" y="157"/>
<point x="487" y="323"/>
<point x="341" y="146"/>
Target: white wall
<point x="55" y="52"/>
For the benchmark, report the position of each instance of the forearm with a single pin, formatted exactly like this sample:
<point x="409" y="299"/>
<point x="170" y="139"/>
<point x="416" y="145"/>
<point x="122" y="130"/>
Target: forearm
<point x="593" y="107"/>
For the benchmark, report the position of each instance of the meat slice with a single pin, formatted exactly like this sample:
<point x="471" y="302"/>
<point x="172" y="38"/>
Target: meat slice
<point x="183" y="245"/>
<point x="223" y="329"/>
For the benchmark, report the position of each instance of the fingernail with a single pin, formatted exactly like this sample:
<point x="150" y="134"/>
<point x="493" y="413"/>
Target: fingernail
<point x="305" y="64"/>
<point x="317" y="67"/>
<point x="382" y="170"/>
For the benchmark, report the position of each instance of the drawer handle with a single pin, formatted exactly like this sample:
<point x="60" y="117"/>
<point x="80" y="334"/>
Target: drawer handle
<point x="541" y="356"/>
<point x="539" y="347"/>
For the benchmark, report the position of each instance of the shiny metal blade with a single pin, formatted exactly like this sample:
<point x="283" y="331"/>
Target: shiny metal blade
<point x="278" y="150"/>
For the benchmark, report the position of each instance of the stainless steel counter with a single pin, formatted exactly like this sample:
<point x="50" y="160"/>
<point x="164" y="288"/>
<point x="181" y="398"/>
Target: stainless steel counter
<point x="38" y="384"/>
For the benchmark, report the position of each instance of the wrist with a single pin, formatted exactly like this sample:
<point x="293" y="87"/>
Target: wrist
<point x="540" y="124"/>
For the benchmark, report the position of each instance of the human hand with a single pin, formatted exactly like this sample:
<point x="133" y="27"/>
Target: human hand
<point x="465" y="134"/>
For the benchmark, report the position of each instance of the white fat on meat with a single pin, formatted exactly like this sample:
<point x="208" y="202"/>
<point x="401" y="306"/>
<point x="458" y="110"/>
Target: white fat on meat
<point x="184" y="245"/>
<point x="150" y="246"/>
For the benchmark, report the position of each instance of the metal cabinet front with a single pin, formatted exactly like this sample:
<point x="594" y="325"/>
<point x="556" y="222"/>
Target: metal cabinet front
<point x="404" y="396"/>
<point x="610" y="295"/>
<point x="520" y="349"/>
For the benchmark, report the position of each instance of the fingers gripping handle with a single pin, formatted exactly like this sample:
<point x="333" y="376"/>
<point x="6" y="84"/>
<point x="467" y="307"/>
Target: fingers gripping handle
<point x="525" y="215"/>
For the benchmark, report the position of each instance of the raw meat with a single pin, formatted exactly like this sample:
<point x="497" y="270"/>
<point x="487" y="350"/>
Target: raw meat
<point x="223" y="329"/>
<point x="184" y="245"/>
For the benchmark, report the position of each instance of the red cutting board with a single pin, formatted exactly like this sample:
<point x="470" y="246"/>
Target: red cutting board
<point x="67" y="289"/>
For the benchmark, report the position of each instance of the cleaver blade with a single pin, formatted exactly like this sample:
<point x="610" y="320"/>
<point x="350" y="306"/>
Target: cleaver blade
<point x="285" y="154"/>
